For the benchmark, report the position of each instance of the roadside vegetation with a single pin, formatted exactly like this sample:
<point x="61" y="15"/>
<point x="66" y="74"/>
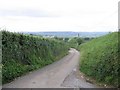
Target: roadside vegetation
<point x="75" y="42"/>
<point x="99" y="59"/>
<point x="24" y="53"/>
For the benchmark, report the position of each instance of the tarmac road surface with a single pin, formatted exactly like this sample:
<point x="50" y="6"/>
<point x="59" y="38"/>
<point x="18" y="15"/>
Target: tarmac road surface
<point x="60" y="74"/>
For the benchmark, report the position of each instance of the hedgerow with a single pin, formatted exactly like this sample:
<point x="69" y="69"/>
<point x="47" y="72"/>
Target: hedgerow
<point x="99" y="59"/>
<point x="24" y="53"/>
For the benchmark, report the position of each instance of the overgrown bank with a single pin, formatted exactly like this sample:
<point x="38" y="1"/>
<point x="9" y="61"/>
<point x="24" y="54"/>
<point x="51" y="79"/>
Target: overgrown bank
<point x="24" y="53"/>
<point x="99" y="59"/>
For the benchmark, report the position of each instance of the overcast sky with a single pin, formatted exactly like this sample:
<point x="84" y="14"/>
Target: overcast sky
<point x="59" y="15"/>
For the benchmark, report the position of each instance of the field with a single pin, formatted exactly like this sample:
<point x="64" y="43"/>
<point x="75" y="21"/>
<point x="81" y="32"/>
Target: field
<point x="99" y="59"/>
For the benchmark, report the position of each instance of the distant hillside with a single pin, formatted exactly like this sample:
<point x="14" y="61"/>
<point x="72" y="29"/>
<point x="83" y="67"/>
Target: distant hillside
<point x="69" y="34"/>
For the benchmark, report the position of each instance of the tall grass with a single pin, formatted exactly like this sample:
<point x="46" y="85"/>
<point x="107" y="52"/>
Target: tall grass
<point x="24" y="53"/>
<point x="99" y="59"/>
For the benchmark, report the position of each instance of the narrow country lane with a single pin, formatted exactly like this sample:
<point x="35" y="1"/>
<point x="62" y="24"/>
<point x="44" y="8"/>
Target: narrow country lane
<point x="60" y="74"/>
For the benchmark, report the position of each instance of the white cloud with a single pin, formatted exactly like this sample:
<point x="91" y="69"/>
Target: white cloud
<point x="59" y="15"/>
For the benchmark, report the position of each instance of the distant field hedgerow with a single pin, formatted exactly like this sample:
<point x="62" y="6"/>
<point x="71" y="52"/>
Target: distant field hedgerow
<point x="99" y="59"/>
<point x="24" y="53"/>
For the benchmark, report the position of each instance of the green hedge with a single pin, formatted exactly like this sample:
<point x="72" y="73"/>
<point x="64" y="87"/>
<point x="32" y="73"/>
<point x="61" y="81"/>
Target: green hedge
<point x="99" y="59"/>
<point x="24" y="53"/>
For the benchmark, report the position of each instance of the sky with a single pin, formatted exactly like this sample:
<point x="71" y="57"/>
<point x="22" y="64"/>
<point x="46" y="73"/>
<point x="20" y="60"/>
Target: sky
<point x="59" y="15"/>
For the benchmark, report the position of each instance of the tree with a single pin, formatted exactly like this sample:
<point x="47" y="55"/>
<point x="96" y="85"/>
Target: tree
<point x="66" y="39"/>
<point x="79" y="41"/>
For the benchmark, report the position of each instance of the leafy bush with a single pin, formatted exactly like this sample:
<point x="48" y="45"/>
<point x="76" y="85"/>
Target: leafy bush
<point x="99" y="59"/>
<point x="75" y="42"/>
<point x="23" y="53"/>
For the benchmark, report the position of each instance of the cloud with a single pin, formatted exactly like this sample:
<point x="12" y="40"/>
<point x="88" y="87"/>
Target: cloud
<point x="25" y="12"/>
<point x="60" y="15"/>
